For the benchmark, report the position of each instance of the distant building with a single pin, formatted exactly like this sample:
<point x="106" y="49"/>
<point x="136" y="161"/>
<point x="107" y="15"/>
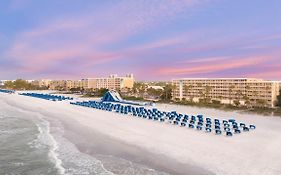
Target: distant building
<point x="113" y="82"/>
<point x="255" y="92"/>
<point x="58" y="84"/>
<point x="41" y="83"/>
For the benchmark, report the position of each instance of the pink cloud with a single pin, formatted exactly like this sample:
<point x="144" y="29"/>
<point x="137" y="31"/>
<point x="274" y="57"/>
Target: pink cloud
<point x="209" y="67"/>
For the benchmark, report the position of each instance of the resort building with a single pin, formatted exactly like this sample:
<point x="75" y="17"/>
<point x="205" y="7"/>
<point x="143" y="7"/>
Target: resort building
<point x="58" y="84"/>
<point x="112" y="82"/>
<point x="41" y="83"/>
<point x="238" y="91"/>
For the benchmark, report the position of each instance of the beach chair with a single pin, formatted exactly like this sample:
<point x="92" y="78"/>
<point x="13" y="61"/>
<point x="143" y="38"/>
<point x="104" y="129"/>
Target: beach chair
<point x="252" y="127"/>
<point x="242" y="124"/>
<point x="217" y="127"/>
<point x="208" y="125"/>
<point x="228" y="133"/>
<point x="218" y="131"/>
<point x="183" y="124"/>
<point x="191" y="126"/>
<point x="208" y="129"/>
<point x="227" y="129"/>
<point x="226" y="125"/>
<point x="192" y="122"/>
<point x="237" y="131"/>
<point x="200" y="123"/>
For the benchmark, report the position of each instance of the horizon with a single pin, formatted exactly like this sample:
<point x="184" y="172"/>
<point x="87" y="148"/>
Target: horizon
<point x="156" y="40"/>
<point x="137" y="80"/>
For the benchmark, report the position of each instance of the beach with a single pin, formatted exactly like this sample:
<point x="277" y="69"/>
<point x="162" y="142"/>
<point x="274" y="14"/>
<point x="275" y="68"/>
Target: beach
<point x="89" y="141"/>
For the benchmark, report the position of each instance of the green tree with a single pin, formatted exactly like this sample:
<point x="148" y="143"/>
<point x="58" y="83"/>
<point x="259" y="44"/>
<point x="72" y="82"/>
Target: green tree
<point x="21" y="84"/>
<point x="261" y="103"/>
<point x="246" y="100"/>
<point x="279" y="99"/>
<point x="167" y="93"/>
<point x="154" y="92"/>
<point x="208" y="89"/>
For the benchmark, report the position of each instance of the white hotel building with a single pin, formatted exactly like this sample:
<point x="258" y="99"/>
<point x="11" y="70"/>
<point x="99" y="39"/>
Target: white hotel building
<point x="250" y="91"/>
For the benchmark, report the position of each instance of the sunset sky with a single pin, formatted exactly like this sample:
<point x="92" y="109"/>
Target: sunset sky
<point x="153" y="39"/>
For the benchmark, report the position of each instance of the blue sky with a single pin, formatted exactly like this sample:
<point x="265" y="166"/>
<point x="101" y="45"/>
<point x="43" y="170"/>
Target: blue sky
<point x="153" y="39"/>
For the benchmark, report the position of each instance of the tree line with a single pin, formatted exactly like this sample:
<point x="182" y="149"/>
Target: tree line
<point x="21" y="84"/>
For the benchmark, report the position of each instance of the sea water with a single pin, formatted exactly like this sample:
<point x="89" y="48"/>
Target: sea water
<point x="33" y="144"/>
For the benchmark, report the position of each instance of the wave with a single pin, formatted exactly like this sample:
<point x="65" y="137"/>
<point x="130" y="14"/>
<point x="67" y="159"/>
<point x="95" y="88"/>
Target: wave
<point x="45" y="139"/>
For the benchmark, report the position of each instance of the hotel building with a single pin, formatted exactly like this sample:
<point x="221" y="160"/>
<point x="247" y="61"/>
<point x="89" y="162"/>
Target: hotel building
<point x="41" y="83"/>
<point x="112" y="82"/>
<point x="246" y="91"/>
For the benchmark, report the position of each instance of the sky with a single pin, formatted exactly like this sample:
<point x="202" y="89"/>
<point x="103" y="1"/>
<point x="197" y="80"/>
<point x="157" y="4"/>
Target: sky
<point x="153" y="39"/>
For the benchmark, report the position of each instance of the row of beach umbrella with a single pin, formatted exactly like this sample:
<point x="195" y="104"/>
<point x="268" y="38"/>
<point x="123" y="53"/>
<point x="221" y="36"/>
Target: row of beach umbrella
<point x="197" y="122"/>
<point x="47" y="96"/>
<point x="7" y="91"/>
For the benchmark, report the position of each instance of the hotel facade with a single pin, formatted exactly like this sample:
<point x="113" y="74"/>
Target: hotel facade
<point x="239" y="91"/>
<point x="113" y="82"/>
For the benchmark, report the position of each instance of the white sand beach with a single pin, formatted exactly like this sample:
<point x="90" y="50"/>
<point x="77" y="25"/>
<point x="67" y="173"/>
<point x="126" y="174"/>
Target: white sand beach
<point x="165" y="147"/>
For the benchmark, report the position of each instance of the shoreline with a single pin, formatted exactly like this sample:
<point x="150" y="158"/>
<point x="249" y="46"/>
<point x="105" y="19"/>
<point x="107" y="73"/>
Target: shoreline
<point x="107" y="146"/>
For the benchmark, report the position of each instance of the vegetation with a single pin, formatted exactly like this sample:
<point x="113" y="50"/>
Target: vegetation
<point x="167" y="93"/>
<point x="154" y="92"/>
<point x="279" y="99"/>
<point x="20" y="84"/>
<point x="133" y="98"/>
<point x="95" y="92"/>
<point x="75" y="90"/>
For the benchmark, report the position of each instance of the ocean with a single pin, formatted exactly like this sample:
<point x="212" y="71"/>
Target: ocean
<point x="33" y="144"/>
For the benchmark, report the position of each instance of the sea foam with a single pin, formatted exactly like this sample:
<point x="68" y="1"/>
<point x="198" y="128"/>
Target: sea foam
<point x="45" y="139"/>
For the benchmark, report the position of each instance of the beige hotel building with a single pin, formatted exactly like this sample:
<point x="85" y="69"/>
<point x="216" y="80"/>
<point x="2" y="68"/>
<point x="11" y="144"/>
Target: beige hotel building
<point x="112" y="82"/>
<point x="247" y="91"/>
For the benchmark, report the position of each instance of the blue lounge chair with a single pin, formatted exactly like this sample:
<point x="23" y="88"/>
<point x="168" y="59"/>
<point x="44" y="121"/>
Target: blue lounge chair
<point x="217" y="127"/>
<point x="192" y="122"/>
<point x="191" y="126"/>
<point x="183" y="124"/>
<point x="218" y="131"/>
<point x="208" y="130"/>
<point x="227" y="129"/>
<point x="228" y="133"/>
<point x="237" y="131"/>
<point x="208" y="125"/>
<point x="252" y="127"/>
